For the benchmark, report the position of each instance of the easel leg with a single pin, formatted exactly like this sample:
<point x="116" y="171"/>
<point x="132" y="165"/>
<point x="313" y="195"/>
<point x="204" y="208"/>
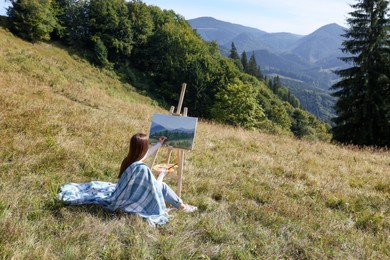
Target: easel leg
<point x="180" y="154"/>
<point x="169" y="154"/>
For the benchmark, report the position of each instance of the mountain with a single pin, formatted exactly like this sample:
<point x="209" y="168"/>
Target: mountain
<point x="306" y="63"/>
<point x="212" y="29"/>
<point x="275" y="42"/>
<point x="321" y="44"/>
<point x="156" y="128"/>
<point x="245" y="38"/>
<point x="182" y="130"/>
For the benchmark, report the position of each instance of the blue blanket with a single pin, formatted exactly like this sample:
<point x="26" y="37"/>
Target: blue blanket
<point x="137" y="191"/>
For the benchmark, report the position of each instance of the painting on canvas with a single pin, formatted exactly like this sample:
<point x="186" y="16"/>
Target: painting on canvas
<point x="179" y="130"/>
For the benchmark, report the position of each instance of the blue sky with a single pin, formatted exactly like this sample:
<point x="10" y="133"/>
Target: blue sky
<point x="3" y="5"/>
<point x="295" y="16"/>
<point x="175" y="122"/>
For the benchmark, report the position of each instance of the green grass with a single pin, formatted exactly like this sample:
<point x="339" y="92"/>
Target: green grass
<point x="259" y="195"/>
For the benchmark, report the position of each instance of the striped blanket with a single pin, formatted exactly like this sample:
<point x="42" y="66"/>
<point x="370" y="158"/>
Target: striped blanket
<point x="137" y="191"/>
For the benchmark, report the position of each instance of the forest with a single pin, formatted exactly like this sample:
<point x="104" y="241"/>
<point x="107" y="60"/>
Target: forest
<point x="156" y="51"/>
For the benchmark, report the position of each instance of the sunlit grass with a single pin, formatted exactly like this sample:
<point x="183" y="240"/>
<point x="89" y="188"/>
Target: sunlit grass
<point x="259" y="195"/>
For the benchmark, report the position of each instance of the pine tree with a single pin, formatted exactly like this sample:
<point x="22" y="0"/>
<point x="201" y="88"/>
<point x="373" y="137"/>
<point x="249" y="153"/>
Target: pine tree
<point x="101" y="53"/>
<point x="276" y="84"/>
<point x="253" y="69"/>
<point x="300" y="124"/>
<point x="244" y="61"/>
<point x="233" y="53"/>
<point x="363" y="111"/>
<point x="236" y="58"/>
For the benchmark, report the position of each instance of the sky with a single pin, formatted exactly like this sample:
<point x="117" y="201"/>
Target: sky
<point x="294" y="16"/>
<point x="3" y="4"/>
<point x="175" y="122"/>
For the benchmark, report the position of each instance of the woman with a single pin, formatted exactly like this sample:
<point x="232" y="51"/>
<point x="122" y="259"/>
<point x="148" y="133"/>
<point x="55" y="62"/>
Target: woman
<point x="137" y="190"/>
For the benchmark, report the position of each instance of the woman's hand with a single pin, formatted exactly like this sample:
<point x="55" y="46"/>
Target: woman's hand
<point x="162" y="139"/>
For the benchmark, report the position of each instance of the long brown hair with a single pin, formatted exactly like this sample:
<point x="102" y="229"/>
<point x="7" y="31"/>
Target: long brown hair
<point x="138" y="147"/>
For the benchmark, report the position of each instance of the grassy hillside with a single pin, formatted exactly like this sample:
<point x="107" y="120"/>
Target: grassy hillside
<point x="259" y="196"/>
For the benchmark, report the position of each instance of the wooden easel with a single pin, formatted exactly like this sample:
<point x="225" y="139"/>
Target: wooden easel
<point x="180" y="152"/>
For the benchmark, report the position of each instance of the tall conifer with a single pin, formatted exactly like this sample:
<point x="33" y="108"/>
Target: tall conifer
<point x="363" y="106"/>
<point x="233" y="52"/>
<point x="236" y="58"/>
<point x="253" y="69"/>
<point x="244" y="61"/>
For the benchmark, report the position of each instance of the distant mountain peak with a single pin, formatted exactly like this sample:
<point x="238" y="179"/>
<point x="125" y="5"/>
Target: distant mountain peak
<point x="208" y="19"/>
<point x="245" y="38"/>
<point x="332" y="28"/>
<point x="223" y="32"/>
<point x="335" y="25"/>
<point x="306" y="60"/>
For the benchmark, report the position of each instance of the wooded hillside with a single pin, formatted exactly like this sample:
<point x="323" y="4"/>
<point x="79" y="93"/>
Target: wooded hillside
<point x="155" y="51"/>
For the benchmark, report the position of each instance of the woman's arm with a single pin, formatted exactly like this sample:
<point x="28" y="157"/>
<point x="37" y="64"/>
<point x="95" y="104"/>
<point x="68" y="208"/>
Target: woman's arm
<point x="155" y="147"/>
<point x="152" y="150"/>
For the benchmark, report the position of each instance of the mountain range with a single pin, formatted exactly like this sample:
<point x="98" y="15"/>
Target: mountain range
<point x="157" y="128"/>
<point x="304" y="63"/>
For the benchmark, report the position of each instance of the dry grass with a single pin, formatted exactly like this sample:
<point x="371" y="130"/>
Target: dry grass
<point x="259" y="195"/>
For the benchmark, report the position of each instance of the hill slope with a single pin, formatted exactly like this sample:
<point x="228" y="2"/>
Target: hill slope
<point x="259" y="195"/>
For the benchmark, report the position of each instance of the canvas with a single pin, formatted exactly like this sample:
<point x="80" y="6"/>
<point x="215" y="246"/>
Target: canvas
<point x="179" y="130"/>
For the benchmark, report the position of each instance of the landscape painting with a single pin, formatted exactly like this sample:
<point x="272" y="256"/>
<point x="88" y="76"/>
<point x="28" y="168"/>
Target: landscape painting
<point x="180" y="131"/>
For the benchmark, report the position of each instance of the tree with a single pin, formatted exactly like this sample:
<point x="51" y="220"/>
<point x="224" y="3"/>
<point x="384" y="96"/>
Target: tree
<point x="283" y="92"/>
<point x="253" y="69"/>
<point x="363" y="111"/>
<point x="32" y="20"/>
<point x="280" y="116"/>
<point x="109" y="21"/>
<point x="236" y="104"/>
<point x="233" y="52"/>
<point x="300" y="124"/>
<point x="276" y="84"/>
<point x="235" y="57"/>
<point x="72" y="28"/>
<point x="141" y="22"/>
<point x="244" y="61"/>
<point x="100" y="51"/>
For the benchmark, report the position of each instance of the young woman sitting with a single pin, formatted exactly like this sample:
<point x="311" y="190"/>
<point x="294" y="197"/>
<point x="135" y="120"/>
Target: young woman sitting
<point x="137" y="190"/>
